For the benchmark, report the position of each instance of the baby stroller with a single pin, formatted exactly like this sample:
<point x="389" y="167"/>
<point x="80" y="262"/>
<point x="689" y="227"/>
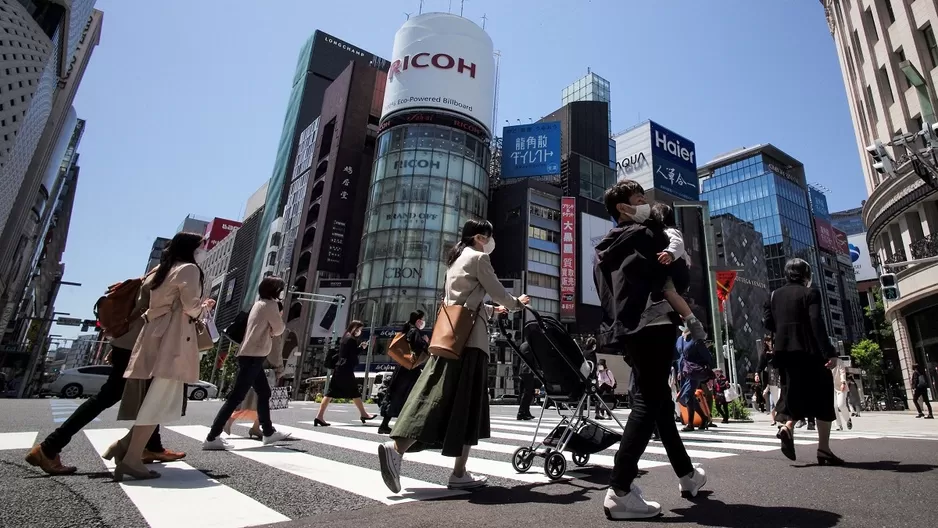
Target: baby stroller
<point x="569" y="381"/>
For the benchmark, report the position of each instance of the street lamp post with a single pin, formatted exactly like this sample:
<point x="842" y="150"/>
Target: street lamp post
<point x="372" y="338"/>
<point x="26" y="385"/>
<point x="312" y="298"/>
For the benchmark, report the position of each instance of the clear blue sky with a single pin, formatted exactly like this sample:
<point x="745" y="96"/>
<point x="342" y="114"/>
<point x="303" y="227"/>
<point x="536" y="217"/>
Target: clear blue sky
<point x="184" y="100"/>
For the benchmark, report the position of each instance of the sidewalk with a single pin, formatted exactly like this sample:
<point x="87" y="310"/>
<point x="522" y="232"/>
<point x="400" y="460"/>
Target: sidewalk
<point x="876" y="422"/>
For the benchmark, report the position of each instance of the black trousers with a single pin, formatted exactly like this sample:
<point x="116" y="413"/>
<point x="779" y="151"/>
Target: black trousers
<point x="527" y="394"/>
<point x="650" y="351"/>
<point x="923" y="394"/>
<point x="250" y="374"/>
<point x="723" y="408"/>
<point x="111" y="393"/>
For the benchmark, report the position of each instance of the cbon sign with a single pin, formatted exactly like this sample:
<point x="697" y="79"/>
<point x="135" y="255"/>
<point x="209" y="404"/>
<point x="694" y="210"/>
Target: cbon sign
<point x="442" y="62"/>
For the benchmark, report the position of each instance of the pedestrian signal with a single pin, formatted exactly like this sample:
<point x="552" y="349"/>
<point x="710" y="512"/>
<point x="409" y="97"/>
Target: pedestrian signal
<point x="890" y="286"/>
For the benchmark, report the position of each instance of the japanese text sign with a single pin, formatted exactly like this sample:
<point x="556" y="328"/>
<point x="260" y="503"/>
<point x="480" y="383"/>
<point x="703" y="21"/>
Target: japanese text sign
<point x="568" y="258"/>
<point x="531" y="150"/>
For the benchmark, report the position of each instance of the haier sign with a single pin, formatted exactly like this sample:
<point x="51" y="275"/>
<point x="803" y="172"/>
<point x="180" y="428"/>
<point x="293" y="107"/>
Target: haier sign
<point x="674" y="161"/>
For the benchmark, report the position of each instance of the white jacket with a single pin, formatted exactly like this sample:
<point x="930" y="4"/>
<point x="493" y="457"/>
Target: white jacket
<point x="676" y="244"/>
<point x="840" y="375"/>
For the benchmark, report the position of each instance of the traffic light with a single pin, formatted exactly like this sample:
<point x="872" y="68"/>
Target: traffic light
<point x="890" y="286"/>
<point x="882" y="163"/>
<point x="88" y="323"/>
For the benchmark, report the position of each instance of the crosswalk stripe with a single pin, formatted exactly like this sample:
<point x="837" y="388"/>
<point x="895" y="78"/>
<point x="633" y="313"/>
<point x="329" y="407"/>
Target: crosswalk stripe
<point x="17" y="440"/>
<point x="358" y="480"/>
<point x="184" y="496"/>
<point x="483" y="466"/>
<point x="798" y="432"/>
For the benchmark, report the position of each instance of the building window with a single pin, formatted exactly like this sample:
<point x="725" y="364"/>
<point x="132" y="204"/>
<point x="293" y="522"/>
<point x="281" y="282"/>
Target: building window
<point x="544" y="212"/>
<point x="929" y="35"/>
<point x="870" y="24"/>
<point x="869" y="103"/>
<point x="856" y="45"/>
<point x="901" y="82"/>
<point x="889" y="12"/>
<point x="886" y="88"/>
<point x="919" y="124"/>
<point x="544" y="257"/>
<point x="543" y="281"/>
<point x="545" y="306"/>
<point x="544" y="234"/>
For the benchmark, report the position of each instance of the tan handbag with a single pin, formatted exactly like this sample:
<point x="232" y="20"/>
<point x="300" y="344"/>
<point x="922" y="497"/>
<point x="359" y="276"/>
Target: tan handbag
<point x="203" y="336"/>
<point x="399" y="352"/>
<point x="452" y="328"/>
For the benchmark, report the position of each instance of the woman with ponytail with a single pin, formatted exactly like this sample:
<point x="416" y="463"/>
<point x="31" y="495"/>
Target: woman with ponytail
<point x="448" y="407"/>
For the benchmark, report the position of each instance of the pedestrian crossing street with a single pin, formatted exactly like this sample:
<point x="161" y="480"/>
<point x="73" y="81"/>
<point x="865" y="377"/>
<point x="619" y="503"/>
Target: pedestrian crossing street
<point x="343" y="458"/>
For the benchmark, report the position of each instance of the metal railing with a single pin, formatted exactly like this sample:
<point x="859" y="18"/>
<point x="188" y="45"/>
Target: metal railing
<point x="924" y="248"/>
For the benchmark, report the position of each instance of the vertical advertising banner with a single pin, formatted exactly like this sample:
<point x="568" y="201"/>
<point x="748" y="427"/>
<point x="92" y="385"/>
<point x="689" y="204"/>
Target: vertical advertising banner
<point x="592" y="230"/>
<point x="531" y="150"/>
<point x="819" y="204"/>
<point x="568" y="258"/>
<point x="860" y="256"/>
<point x="826" y="239"/>
<point x="329" y="316"/>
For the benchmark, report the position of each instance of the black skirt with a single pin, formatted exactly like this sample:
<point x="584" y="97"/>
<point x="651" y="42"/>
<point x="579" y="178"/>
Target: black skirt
<point x="402" y="382"/>
<point x="343" y="385"/>
<point x="807" y="390"/>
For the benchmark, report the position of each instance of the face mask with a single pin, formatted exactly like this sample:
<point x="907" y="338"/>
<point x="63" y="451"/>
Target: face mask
<point x="420" y="324"/>
<point x="200" y="255"/>
<point x="641" y="214"/>
<point x="489" y="246"/>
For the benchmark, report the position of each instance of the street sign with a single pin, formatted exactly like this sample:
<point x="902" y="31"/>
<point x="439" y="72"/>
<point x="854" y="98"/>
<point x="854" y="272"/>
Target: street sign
<point x="68" y="321"/>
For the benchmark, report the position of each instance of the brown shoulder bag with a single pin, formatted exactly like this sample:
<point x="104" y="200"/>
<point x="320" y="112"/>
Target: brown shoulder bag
<point x="452" y="328"/>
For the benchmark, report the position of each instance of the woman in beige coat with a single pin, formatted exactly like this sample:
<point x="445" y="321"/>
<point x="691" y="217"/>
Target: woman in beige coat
<point x="265" y="322"/>
<point x="167" y="349"/>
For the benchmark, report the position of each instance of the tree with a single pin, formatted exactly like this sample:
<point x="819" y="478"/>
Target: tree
<point x="868" y="355"/>
<point x="876" y="312"/>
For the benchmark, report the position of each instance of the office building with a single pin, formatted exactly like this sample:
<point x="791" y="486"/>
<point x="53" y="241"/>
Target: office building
<point x="216" y="263"/>
<point x="322" y="59"/>
<point x="592" y="87"/>
<point x="888" y="57"/>
<point x="217" y="230"/>
<point x="293" y="210"/>
<point x="193" y="224"/>
<point x="45" y="48"/>
<point x="849" y="221"/>
<point x="740" y="246"/>
<point x="156" y="250"/>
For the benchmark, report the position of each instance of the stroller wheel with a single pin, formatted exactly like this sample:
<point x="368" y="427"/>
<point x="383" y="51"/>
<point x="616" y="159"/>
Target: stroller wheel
<point x="522" y="459"/>
<point x="555" y="465"/>
<point x="581" y="459"/>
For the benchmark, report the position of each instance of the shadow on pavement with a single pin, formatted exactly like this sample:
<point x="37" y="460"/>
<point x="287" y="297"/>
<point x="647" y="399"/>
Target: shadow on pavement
<point x="884" y="465"/>
<point x="712" y="512"/>
<point x="498" y="496"/>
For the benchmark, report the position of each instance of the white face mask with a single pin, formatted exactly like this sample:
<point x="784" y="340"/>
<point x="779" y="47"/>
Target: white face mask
<point x="641" y="214"/>
<point x="420" y="324"/>
<point x="200" y="255"/>
<point x="489" y="246"/>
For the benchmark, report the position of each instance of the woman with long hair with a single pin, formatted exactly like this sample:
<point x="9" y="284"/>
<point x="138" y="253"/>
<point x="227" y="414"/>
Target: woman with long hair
<point x="805" y="357"/>
<point x="265" y="322"/>
<point x="403" y="380"/>
<point x="449" y="406"/>
<point x="343" y="383"/>
<point x="167" y="350"/>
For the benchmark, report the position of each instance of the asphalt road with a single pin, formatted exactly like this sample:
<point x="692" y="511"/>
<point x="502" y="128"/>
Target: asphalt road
<point x="329" y="477"/>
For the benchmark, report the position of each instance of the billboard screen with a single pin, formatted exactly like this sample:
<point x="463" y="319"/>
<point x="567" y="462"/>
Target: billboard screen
<point x="633" y="156"/>
<point x="860" y="256"/>
<point x="568" y="258"/>
<point x="843" y="245"/>
<point x="329" y="316"/>
<point x="819" y="204"/>
<point x="442" y="61"/>
<point x="217" y="230"/>
<point x="592" y="230"/>
<point x="826" y="239"/>
<point x="674" y="162"/>
<point x="531" y="150"/>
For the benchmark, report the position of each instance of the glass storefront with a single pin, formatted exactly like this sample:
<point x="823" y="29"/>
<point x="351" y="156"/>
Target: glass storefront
<point x="428" y="180"/>
<point x="923" y="335"/>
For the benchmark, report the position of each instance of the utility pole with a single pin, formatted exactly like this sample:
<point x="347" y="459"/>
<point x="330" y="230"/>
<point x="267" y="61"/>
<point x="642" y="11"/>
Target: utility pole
<point x="34" y="356"/>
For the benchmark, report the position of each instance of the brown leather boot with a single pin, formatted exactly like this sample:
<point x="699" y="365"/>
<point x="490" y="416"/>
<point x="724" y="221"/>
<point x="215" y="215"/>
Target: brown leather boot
<point x="150" y="457"/>
<point x="51" y="466"/>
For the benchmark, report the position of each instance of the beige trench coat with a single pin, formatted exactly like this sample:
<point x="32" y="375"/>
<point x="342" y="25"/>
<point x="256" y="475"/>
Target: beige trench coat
<point x="167" y="347"/>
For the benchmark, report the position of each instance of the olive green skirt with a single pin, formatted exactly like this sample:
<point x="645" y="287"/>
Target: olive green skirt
<point x="448" y="407"/>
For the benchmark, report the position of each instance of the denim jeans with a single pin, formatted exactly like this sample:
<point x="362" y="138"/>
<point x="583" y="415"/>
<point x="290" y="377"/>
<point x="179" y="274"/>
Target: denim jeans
<point x="250" y="374"/>
<point x="111" y="393"/>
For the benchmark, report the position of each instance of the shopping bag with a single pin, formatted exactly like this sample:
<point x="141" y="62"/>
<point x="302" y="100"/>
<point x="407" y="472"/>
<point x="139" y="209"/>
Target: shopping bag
<point x="279" y="398"/>
<point x="730" y="394"/>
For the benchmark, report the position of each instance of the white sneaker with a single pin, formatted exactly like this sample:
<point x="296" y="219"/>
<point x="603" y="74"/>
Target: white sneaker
<point x="276" y="437"/>
<point x="629" y="506"/>
<point x="467" y="481"/>
<point x="215" y="445"/>
<point x="692" y="483"/>
<point x="390" y="461"/>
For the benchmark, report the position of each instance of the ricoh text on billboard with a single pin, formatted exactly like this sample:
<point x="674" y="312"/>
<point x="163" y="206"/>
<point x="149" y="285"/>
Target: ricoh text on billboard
<point x="445" y="62"/>
<point x="531" y="150"/>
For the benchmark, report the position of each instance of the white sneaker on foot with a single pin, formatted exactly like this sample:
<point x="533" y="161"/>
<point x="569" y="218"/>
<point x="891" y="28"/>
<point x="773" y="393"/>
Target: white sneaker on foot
<point x="276" y="437"/>
<point x="692" y="483"/>
<point x="390" y="461"/>
<point x="632" y="505"/>
<point x="467" y="481"/>
<point x="215" y="445"/>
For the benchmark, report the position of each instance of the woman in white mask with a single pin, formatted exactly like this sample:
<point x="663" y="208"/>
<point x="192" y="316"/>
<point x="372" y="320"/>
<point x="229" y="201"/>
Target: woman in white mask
<point x="448" y="408"/>
<point x="403" y="380"/>
<point x="343" y="383"/>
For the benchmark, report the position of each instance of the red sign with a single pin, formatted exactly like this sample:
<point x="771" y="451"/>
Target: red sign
<point x="725" y="282"/>
<point x="568" y="258"/>
<point x="843" y="245"/>
<point x="826" y="239"/>
<point x="218" y="229"/>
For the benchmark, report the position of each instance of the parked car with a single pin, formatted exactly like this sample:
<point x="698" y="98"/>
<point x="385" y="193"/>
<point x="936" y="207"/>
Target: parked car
<point x="87" y="381"/>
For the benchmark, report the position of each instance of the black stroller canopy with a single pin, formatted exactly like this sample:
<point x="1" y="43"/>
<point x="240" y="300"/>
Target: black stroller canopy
<point x="556" y="359"/>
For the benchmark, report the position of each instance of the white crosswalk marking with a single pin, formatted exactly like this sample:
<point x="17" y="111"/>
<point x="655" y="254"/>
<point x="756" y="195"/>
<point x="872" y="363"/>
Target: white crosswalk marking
<point x="184" y="496"/>
<point x="17" y="440"/>
<point x="354" y="479"/>
<point x="62" y="409"/>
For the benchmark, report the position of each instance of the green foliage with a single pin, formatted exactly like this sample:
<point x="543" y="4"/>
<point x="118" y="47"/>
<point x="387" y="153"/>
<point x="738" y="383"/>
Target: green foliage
<point x="230" y="366"/>
<point x="868" y="356"/>
<point x="876" y="312"/>
<point x="738" y="409"/>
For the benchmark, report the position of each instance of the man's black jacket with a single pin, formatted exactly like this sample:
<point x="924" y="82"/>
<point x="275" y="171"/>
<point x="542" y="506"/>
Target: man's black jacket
<point x="629" y="280"/>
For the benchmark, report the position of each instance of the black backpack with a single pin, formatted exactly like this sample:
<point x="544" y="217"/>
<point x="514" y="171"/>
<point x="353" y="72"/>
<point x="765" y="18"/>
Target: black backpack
<point x="238" y="328"/>
<point x="332" y="358"/>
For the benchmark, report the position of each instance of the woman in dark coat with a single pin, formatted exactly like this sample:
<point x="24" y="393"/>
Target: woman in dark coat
<point x="343" y="383"/>
<point x="804" y="356"/>
<point x="403" y="380"/>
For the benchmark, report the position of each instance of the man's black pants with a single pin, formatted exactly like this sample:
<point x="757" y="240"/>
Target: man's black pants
<point x="111" y="393"/>
<point x="650" y="351"/>
<point x="527" y="394"/>
<point x="250" y="374"/>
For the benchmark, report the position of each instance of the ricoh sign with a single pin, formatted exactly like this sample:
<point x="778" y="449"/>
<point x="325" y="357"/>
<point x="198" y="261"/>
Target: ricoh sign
<point x="444" y="62"/>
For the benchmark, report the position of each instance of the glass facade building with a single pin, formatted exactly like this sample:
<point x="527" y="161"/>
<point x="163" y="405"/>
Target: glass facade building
<point x="428" y="180"/>
<point x="770" y="194"/>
